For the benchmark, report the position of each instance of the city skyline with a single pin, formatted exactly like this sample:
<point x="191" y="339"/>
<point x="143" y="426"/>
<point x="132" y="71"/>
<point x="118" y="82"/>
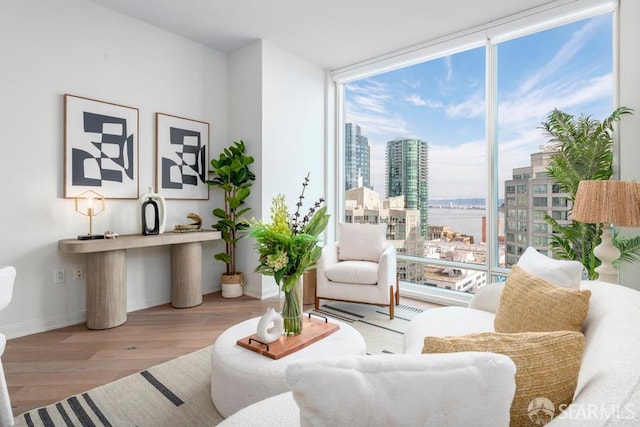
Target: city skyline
<point x="442" y="102"/>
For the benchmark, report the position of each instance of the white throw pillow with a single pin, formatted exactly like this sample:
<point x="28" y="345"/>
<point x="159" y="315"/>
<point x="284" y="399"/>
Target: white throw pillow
<point x="361" y="242"/>
<point x="457" y="389"/>
<point x="559" y="272"/>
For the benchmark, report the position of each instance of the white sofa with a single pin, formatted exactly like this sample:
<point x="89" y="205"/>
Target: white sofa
<point x="608" y="390"/>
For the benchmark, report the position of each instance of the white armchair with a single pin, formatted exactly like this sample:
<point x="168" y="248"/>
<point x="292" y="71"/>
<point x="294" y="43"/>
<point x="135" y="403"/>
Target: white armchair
<point x="7" y="277"/>
<point x="360" y="267"/>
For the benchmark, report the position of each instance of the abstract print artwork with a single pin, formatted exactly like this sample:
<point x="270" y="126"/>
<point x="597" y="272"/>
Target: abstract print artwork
<point x="182" y="147"/>
<point x="101" y="148"/>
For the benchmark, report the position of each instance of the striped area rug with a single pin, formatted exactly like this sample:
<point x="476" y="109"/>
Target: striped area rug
<point x="174" y="393"/>
<point x="381" y="334"/>
<point x="178" y="393"/>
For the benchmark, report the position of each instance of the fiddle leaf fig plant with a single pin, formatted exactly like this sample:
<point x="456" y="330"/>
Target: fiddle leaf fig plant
<point x="583" y="150"/>
<point x="231" y="173"/>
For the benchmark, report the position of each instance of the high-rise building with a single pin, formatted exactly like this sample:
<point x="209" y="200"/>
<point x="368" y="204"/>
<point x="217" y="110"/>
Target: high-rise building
<point x="357" y="157"/>
<point x="406" y="174"/>
<point x="529" y="196"/>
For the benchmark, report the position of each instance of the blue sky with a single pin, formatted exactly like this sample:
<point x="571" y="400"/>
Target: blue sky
<point x="443" y="102"/>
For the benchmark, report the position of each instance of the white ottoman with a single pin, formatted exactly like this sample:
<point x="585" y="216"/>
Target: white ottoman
<point x="241" y="377"/>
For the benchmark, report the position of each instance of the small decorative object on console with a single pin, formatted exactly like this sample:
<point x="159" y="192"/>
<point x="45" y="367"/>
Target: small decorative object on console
<point x="108" y="234"/>
<point x="195" y="226"/>
<point x="153" y="213"/>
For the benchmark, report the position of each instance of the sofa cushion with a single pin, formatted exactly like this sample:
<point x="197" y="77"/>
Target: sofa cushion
<point x="356" y="272"/>
<point x="277" y="411"/>
<point x="361" y="241"/>
<point x="610" y="372"/>
<point x="559" y="272"/>
<point x="404" y="389"/>
<point x="547" y="365"/>
<point x="442" y="322"/>
<point x="531" y="304"/>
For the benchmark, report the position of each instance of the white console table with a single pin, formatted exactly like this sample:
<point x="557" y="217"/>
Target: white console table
<point x="107" y="272"/>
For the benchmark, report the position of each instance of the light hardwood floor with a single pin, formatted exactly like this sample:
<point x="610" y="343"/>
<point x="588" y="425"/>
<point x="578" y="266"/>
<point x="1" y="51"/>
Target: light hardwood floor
<point x="50" y="366"/>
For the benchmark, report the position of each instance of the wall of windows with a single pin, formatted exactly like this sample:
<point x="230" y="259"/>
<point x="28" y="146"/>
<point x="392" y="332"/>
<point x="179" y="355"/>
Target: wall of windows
<point x="473" y="112"/>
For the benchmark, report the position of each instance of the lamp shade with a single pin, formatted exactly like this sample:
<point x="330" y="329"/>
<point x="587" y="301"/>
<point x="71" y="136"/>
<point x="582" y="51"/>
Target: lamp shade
<point x="607" y="201"/>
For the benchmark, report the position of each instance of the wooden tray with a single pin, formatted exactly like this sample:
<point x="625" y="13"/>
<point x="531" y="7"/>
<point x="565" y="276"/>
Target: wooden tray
<point x="312" y="331"/>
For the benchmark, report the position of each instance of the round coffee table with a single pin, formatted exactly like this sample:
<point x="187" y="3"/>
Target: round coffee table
<point x="241" y="377"/>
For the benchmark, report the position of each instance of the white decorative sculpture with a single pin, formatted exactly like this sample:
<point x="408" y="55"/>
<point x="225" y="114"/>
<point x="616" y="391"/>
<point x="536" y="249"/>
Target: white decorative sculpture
<point x="153" y="203"/>
<point x="265" y="334"/>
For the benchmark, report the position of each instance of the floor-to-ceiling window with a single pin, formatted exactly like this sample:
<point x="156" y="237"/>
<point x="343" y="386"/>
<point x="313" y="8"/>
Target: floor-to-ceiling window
<point x="454" y="154"/>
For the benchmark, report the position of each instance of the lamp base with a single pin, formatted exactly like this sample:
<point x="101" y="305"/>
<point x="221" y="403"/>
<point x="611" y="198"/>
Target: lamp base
<point x="606" y="252"/>
<point x="91" y="237"/>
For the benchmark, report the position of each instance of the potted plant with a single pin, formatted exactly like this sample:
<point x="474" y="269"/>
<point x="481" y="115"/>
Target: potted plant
<point x="583" y="150"/>
<point x="231" y="173"/>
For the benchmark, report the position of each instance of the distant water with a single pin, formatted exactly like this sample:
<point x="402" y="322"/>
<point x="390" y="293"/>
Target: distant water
<point x="466" y="221"/>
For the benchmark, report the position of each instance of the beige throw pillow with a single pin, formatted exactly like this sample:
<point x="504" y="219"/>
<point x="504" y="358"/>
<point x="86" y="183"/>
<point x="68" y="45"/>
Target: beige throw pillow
<point x="547" y="366"/>
<point x="531" y="304"/>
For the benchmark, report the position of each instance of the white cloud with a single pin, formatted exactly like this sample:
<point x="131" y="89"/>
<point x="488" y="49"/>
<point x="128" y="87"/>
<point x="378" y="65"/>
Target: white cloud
<point x="419" y="101"/>
<point x="374" y="124"/>
<point x="416" y="100"/>
<point x="412" y="84"/>
<point x="449" y="66"/>
<point x="562" y="57"/>
<point x="368" y="109"/>
<point x="526" y="110"/>
<point x="458" y="171"/>
<point x="470" y="108"/>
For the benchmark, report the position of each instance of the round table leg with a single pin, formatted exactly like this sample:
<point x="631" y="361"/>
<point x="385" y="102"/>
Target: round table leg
<point x="186" y="275"/>
<point x="106" y="289"/>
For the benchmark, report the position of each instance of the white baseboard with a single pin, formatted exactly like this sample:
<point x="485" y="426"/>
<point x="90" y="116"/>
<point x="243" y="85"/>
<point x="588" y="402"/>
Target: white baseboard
<point x="22" y="329"/>
<point x="45" y="324"/>
<point x="258" y="292"/>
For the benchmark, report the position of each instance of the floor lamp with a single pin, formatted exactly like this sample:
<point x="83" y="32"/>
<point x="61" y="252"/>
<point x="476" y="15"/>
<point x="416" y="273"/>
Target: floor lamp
<point x="612" y="203"/>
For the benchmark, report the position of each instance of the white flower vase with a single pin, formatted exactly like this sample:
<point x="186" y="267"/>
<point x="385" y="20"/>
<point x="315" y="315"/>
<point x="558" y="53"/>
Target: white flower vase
<point x="270" y="317"/>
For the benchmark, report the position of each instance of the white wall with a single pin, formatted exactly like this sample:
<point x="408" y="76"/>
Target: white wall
<point x="52" y="47"/>
<point x="291" y="134"/>
<point x="245" y="122"/>
<point x="629" y="127"/>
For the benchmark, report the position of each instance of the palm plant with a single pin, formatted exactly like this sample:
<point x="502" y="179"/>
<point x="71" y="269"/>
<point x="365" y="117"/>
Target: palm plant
<point x="583" y="150"/>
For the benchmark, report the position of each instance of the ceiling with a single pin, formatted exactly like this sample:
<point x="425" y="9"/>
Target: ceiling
<point x="330" y="33"/>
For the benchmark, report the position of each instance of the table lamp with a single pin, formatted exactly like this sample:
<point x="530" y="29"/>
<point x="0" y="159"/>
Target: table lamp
<point x="612" y="203"/>
<point x="90" y="204"/>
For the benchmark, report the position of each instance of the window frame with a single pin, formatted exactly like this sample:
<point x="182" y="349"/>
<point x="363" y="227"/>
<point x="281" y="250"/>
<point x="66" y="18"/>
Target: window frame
<point x="490" y="35"/>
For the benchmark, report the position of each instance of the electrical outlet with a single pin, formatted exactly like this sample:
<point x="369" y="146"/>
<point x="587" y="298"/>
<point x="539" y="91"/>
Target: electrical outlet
<point x="78" y="272"/>
<point x="58" y="276"/>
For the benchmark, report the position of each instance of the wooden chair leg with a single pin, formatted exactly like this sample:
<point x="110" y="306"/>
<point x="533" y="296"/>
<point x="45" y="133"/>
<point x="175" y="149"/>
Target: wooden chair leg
<point x="397" y="291"/>
<point x="391" y="302"/>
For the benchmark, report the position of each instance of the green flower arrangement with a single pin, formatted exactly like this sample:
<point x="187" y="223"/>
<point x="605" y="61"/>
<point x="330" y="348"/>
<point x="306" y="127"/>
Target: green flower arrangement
<point x="288" y="246"/>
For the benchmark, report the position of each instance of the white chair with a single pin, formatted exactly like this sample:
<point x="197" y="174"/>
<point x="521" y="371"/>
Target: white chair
<point x="359" y="267"/>
<point x="7" y="277"/>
